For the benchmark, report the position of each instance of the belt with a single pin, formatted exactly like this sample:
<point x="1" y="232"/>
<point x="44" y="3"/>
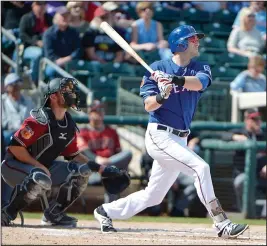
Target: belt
<point x="179" y="133"/>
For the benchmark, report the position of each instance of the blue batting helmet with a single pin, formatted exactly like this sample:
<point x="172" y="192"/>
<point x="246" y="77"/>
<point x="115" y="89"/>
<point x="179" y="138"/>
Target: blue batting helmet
<point x="178" y="38"/>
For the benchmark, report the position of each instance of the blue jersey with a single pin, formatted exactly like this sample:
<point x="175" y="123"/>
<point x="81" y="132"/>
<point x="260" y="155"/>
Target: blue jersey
<point x="178" y="110"/>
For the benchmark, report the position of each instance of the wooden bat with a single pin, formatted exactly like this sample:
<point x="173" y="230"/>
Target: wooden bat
<point x="123" y="44"/>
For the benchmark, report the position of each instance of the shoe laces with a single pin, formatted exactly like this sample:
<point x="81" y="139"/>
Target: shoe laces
<point x="107" y="222"/>
<point x="230" y="227"/>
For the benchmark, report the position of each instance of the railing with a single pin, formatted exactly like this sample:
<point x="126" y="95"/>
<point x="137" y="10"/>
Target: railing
<point x="45" y="61"/>
<point x="5" y="58"/>
<point x="250" y="147"/>
<point x="245" y="100"/>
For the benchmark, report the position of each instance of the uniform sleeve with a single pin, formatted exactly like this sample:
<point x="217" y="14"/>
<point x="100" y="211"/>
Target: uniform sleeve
<point x="72" y="148"/>
<point x="28" y="133"/>
<point x="204" y="75"/>
<point x="148" y="86"/>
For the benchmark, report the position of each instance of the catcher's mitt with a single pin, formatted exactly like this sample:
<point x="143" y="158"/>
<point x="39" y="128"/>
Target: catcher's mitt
<point x="115" y="180"/>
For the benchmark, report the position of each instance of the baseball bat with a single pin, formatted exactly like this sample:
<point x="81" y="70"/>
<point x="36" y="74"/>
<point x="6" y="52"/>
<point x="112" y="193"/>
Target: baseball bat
<point x="123" y="44"/>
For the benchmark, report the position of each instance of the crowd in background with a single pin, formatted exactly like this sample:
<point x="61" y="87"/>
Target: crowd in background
<point x="67" y="31"/>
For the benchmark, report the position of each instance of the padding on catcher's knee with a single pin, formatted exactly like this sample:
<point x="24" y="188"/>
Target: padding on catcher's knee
<point x="35" y="185"/>
<point x="215" y="210"/>
<point x="32" y="187"/>
<point x="71" y="189"/>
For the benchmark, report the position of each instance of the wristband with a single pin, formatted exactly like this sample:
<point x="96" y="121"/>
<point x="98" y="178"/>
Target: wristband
<point x="178" y="80"/>
<point x="93" y="166"/>
<point x="160" y="99"/>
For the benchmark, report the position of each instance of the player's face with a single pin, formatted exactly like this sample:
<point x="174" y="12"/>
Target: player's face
<point x="193" y="44"/>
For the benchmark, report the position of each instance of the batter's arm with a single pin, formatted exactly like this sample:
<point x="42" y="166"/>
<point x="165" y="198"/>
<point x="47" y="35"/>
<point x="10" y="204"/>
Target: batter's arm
<point x="151" y="104"/>
<point x="193" y="83"/>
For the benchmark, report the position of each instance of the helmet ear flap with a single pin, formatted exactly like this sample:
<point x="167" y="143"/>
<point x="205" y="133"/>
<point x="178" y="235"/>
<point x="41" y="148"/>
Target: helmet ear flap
<point x="182" y="46"/>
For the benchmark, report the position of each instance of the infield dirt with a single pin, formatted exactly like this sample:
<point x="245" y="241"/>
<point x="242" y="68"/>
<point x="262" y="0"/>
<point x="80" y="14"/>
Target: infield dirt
<point x="129" y="233"/>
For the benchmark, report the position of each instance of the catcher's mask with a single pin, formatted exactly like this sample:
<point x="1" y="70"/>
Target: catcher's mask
<point x="68" y="89"/>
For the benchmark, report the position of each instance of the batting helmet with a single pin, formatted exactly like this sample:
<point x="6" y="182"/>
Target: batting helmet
<point x="178" y="39"/>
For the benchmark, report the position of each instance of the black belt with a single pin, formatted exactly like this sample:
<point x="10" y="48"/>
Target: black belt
<point x="181" y="134"/>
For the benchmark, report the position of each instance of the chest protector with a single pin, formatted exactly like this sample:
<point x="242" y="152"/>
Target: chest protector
<point x="49" y="146"/>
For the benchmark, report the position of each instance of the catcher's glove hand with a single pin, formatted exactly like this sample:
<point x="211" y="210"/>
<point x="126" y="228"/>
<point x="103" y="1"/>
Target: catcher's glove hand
<point x="115" y="180"/>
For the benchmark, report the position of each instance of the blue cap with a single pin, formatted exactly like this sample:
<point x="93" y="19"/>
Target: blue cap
<point x="11" y="79"/>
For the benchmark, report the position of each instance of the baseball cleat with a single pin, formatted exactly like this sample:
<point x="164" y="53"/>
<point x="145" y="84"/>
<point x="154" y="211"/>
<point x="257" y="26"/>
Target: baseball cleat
<point x="5" y="218"/>
<point x="105" y="222"/>
<point x="62" y="220"/>
<point x="232" y="230"/>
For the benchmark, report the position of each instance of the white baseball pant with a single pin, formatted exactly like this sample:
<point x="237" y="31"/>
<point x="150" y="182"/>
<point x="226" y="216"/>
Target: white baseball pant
<point x="171" y="156"/>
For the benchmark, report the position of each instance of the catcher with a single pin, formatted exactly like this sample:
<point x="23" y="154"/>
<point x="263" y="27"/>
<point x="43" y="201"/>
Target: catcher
<point x="30" y="166"/>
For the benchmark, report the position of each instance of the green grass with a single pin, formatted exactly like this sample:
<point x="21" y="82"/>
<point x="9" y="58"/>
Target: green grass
<point x="161" y="219"/>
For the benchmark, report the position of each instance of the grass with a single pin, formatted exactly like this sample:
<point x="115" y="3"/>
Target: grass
<point x="161" y="219"/>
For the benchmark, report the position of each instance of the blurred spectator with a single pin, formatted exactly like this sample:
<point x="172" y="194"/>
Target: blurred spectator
<point x="11" y="14"/>
<point x="252" y="79"/>
<point x="101" y="143"/>
<point x="210" y="7"/>
<point x="236" y="6"/>
<point x="176" y="5"/>
<point x="259" y="10"/>
<point x="61" y="42"/>
<point x="52" y="6"/>
<point x="181" y="196"/>
<point x="122" y="18"/>
<point x="15" y="106"/>
<point x="147" y="34"/>
<point x="252" y="131"/>
<point x="246" y="40"/>
<point x="98" y="45"/>
<point x="32" y="26"/>
<point x="89" y="8"/>
<point x="77" y="17"/>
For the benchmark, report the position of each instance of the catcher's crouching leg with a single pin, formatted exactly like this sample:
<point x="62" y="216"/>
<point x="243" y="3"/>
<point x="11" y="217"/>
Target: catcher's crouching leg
<point x="74" y="185"/>
<point x="33" y="186"/>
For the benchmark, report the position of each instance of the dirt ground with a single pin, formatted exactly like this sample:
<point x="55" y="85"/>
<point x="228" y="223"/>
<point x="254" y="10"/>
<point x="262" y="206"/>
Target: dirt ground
<point x="129" y="233"/>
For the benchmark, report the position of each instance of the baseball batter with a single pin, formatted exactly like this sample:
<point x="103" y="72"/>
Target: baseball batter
<point x="170" y="96"/>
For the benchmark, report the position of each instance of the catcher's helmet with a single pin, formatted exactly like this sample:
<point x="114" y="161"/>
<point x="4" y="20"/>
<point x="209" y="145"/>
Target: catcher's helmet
<point x="178" y="38"/>
<point x="67" y="87"/>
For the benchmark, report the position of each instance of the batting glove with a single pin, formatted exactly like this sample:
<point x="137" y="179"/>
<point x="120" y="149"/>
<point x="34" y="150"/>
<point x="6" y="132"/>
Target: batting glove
<point x="161" y="77"/>
<point x="165" y="89"/>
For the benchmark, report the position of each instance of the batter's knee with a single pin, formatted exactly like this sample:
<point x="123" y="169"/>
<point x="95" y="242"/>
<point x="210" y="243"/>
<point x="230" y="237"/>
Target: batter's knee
<point x="204" y="168"/>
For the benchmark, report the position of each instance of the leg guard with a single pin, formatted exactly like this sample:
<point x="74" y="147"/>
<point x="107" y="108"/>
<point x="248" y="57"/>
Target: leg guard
<point x="75" y="184"/>
<point x="216" y="212"/>
<point x="31" y="188"/>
